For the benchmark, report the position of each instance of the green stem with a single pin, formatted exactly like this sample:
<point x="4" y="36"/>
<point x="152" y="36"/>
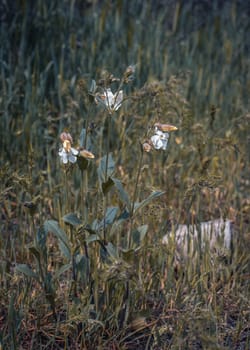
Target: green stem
<point x="106" y="179"/>
<point x="66" y="192"/>
<point x="84" y="191"/>
<point x="134" y="198"/>
<point x="136" y="183"/>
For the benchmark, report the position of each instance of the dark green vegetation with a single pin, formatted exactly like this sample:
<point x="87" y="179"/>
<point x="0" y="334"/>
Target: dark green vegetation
<point x="81" y="260"/>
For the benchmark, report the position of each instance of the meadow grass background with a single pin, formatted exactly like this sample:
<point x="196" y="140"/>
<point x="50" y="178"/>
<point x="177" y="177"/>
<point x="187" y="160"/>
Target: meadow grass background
<point x="63" y="286"/>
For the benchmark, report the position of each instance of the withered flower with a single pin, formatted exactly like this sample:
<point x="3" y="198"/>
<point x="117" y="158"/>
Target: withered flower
<point x="86" y="154"/>
<point x="65" y="136"/>
<point x="165" y="127"/>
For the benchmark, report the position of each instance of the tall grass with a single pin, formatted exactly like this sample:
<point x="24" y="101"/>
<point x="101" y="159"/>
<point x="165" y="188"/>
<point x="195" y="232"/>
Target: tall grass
<point x="82" y="263"/>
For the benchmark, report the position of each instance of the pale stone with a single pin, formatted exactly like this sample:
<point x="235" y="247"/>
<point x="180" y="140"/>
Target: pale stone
<point x="215" y="234"/>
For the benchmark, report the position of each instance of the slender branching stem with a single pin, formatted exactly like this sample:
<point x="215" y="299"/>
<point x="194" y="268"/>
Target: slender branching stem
<point x="134" y="197"/>
<point x="106" y="177"/>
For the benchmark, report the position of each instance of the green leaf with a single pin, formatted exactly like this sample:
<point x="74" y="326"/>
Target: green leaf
<point x="52" y="226"/>
<point x="61" y="270"/>
<point x="41" y="237"/>
<point x="35" y="252"/>
<point x="90" y="229"/>
<point x="94" y="226"/>
<point x="102" y="174"/>
<point x="109" y="218"/>
<point x="112" y="250"/>
<point x="106" y="186"/>
<point x="122" y="193"/>
<point x="92" y="238"/>
<point x="139" y="234"/>
<point x="92" y="88"/>
<point x="146" y="201"/>
<point x="124" y="216"/>
<point x="82" y="140"/>
<point x="26" y="270"/>
<point x="82" y="265"/>
<point x="72" y="219"/>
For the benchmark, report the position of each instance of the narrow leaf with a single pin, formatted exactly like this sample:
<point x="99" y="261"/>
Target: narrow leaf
<point x="41" y="237"/>
<point x="26" y="270"/>
<point x="124" y="197"/>
<point x="35" y="252"/>
<point x="112" y="250"/>
<point x="106" y="186"/>
<point x="52" y="226"/>
<point x="104" y="174"/>
<point x="82" y="265"/>
<point x="109" y="218"/>
<point x="92" y="238"/>
<point x="60" y="271"/>
<point x="92" y="88"/>
<point x="139" y="234"/>
<point x="146" y="201"/>
<point x="72" y="219"/>
<point x="85" y="139"/>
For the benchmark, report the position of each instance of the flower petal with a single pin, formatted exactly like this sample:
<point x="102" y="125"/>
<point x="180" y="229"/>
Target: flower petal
<point x="164" y="144"/>
<point x="64" y="158"/>
<point x="74" y="151"/>
<point x="72" y="158"/>
<point x="118" y="100"/>
<point x="157" y="142"/>
<point x="109" y="98"/>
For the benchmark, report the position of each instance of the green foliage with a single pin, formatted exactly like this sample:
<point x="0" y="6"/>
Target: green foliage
<point x="105" y="170"/>
<point x="26" y="270"/>
<point x="72" y="219"/>
<point x="52" y="226"/>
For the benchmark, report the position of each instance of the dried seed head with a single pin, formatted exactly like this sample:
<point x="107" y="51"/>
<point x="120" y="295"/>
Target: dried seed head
<point x="165" y="127"/>
<point x="130" y="70"/>
<point x="65" y="136"/>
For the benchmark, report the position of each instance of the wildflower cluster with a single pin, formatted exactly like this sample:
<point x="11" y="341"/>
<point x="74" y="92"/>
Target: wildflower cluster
<point x="112" y="100"/>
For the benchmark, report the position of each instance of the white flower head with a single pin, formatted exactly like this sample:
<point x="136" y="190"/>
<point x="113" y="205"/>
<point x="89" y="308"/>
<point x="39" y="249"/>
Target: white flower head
<point x="113" y="101"/>
<point x="160" y="139"/>
<point x="67" y="153"/>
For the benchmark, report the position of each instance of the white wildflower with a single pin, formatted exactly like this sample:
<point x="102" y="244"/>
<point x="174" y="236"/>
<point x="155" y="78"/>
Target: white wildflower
<point x="113" y="101"/>
<point x="67" y="153"/>
<point x="160" y="139"/>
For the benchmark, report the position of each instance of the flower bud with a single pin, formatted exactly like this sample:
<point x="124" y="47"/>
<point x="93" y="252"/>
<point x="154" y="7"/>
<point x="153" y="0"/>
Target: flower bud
<point x="146" y="147"/>
<point x="65" y="136"/>
<point x="129" y="71"/>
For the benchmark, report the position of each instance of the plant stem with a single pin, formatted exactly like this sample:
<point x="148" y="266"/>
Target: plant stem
<point x="106" y="179"/>
<point x="134" y="197"/>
